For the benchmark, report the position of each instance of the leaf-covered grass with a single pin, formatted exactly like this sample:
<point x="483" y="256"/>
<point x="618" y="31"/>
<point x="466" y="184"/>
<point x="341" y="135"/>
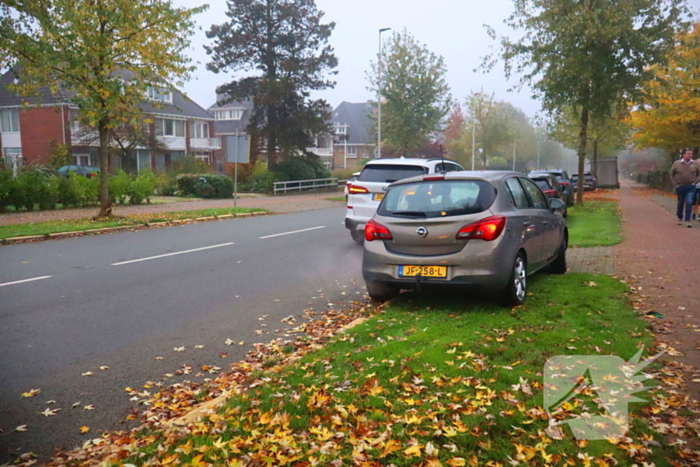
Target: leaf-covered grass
<point x="79" y="225"/>
<point x="596" y="223"/>
<point x="435" y="380"/>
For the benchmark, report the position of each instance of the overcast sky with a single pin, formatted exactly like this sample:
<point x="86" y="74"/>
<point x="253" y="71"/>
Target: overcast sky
<point x="451" y="28"/>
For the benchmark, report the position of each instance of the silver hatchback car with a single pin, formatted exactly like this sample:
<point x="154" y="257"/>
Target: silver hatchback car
<point x="489" y="229"/>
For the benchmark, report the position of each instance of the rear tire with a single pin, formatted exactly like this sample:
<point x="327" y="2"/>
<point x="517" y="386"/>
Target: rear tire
<point x="558" y="266"/>
<point x="358" y="236"/>
<point x="515" y="292"/>
<point x="381" y="291"/>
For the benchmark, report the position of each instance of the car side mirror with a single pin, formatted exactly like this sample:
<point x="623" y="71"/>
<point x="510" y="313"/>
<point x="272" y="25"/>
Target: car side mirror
<point x="555" y="204"/>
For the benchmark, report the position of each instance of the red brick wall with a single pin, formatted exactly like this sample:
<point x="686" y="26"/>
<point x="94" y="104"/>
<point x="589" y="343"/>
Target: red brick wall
<point x="40" y="127"/>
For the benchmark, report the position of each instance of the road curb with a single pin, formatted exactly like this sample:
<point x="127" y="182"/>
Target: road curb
<point x="121" y="228"/>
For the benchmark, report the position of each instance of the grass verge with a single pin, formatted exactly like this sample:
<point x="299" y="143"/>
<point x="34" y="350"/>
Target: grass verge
<point x="433" y="380"/>
<point x="337" y="198"/>
<point x="79" y="225"/>
<point x="596" y="223"/>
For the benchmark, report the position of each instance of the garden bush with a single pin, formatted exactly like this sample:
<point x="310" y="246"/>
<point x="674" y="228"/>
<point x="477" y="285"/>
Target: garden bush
<point x="5" y="184"/>
<point x="186" y="184"/>
<point x="142" y="188"/>
<point x="214" y="186"/>
<point x="119" y="186"/>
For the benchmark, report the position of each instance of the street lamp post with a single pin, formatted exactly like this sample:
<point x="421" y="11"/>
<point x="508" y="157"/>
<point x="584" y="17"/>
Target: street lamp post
<point x="473" y="135"/>
<point x="379" y="95"/>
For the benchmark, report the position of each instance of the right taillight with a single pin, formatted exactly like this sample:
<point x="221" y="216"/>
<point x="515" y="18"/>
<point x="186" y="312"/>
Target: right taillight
<point x="550" y="192"/>
<point x="355" y="189"/>
<point x="376" y="231"/>
<point x="486" y="229"/>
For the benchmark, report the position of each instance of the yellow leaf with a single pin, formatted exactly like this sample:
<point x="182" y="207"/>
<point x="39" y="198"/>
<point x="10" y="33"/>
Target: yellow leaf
<point x="84" y="429"/>
<point x="457" y="462"/>
<point x="413" y="451"/>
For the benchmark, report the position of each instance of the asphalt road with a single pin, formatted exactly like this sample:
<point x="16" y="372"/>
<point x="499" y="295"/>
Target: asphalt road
<point x="121" y="300"/>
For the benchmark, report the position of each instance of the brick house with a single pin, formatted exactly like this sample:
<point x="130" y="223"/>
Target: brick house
<point x="353" y="141"/>
<point x="29" y="127"/>
<point x="230" y="119"/>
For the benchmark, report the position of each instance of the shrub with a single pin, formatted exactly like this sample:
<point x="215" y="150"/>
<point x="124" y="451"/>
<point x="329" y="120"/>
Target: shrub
<point x="5" y="187"/>
<point x="188" y="165"/>
<point x="166" y="186"/>
<point x="296" y="168"/>
<point x="84" y="190"/>
<point x="264" y="183"/>
<point x="30" y="188"/>
<point x="119" y="187"/>
<point x="186" y="184"/>
<point x="214" y="186"/>
<point x="142" y="188"/>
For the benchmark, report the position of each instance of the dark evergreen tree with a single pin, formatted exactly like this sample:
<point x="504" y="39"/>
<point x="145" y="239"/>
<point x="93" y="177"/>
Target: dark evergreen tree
<point x="284" y="46"/>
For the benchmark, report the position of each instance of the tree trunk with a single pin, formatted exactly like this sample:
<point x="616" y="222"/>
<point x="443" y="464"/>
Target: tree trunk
<point x="595" y="158"/>
<point x="105" y="201"/>
<point x="583" y="139"/>
<point x="271" y="137"/>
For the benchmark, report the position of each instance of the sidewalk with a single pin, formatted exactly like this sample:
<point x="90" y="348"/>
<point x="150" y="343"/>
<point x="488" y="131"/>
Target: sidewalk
<point x="274" y="204"/>
<point x="662" y="260"/>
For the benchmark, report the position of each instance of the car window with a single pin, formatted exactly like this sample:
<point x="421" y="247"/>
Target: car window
<point x="389" y="173"/>
<point x="518" y="194"/>
<point x="438" y="199"/>
<point x="542" y="183"/>
<point x="447" y="167"/>
<point x="539" y="200"/>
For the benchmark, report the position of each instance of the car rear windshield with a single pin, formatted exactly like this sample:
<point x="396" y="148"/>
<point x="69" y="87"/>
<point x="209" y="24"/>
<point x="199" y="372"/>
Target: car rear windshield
<point x="543" y="183"/>
<point x="390" y="173"/>
<point x="438" y="199"/>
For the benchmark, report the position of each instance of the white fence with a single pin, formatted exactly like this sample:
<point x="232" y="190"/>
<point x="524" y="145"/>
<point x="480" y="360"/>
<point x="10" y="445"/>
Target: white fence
<point x="300" y="185"/>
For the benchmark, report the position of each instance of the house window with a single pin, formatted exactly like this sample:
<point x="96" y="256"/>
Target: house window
<point x="341" y="129"/>
<point x="159" y="94"/>
<point x="82" y="159"/>
<point x="235" y="114"/>
<point x="9" y="121"/>
<point x="203" y="156"/>
<point x="168" y="127"/>
<point x="200" y="130"/>
<point x="352" y="151"/>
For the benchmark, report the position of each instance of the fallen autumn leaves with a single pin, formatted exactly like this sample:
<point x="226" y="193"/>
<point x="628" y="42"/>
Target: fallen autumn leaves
<point x="446" y="384"/>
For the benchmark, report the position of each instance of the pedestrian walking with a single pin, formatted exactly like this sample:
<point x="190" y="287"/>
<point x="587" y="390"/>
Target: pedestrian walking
<point x="696" y="205"/>
<point x="685" y="174"/>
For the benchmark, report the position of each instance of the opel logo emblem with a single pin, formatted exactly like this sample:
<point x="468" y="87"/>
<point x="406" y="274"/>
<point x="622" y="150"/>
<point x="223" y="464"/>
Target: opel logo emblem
<point x="422" y="231"/>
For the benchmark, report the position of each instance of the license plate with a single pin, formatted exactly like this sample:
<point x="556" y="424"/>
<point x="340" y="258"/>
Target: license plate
<point x="424" y="271"/>
<point x="377" y="196"/>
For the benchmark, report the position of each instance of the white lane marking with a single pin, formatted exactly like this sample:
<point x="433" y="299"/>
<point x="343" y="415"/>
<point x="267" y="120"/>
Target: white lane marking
<point x="25" y="280"/>
<point x="294" y="232"/>
<point x="172" y="254"/>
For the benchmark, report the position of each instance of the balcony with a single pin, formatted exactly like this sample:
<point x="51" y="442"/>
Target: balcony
<point x="207" y="144"/>
<point x="321" y="152"/>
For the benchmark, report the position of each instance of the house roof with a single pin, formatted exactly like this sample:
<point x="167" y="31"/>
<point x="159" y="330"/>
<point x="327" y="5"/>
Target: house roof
<point x="231" y="127"/>
<point x="357" y="117"/>
<point x="181" y="106"/>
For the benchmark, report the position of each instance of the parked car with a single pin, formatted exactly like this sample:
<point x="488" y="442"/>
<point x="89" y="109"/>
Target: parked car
<point x="365" y="193"/>
<point x="352" y="178"/>
<point x="488" y="229"/>
<point x="589" y="183"/>
<point x="563" y="179"/>
<point x="87" y="171"/>
<point x="552" y="189"/>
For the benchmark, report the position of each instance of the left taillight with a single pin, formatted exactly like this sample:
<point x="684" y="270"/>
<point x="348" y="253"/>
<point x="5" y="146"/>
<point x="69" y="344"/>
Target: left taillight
<point x="488" y="229"/>
<point x="356" y="189"/>
<point x="376" y="231"/>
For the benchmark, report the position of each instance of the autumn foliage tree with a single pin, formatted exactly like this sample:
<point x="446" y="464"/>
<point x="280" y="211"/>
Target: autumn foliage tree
<point x="669" y="116"/>
<point x="103" y="53"/>
<point x="283" y="47"/>
<point x="589" y="56"/>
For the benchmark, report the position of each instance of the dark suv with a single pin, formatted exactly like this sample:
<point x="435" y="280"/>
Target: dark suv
<point x="551" y="188"/>
<point x="564" y="181"/>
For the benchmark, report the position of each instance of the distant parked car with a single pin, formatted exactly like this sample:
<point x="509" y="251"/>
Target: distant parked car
<point x="87" y="171"/>
<point x="589" y="182"/>
<point x="367" y="191"/>
<point x="487" y="229"/>
<point x="563" y="179"/>
<point x="552" y="189"/>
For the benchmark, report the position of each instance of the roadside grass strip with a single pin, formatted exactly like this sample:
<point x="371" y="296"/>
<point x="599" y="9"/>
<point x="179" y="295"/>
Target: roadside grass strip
<point x="596" y="223"/>
<point x="430" y="380"/>
<point x="81" y="225"/>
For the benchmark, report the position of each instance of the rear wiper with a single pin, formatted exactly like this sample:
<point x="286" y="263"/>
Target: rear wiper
<point x="390" y="181"/>
<point x="410" y="213"/>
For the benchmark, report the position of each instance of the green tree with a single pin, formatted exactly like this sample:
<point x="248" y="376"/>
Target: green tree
<point x="491" y="123"/>
<point x="105" y="53"/>
<point x="285" y="43"/>
<point x="414" y="92"/>
<point x="590" y="55"/>
<point x="606" y="134"/>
